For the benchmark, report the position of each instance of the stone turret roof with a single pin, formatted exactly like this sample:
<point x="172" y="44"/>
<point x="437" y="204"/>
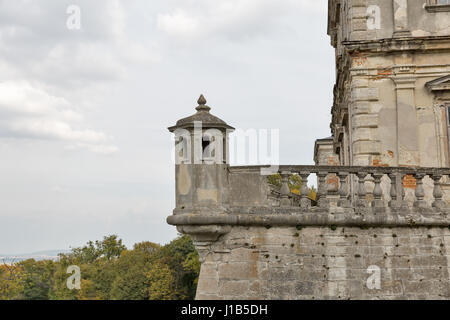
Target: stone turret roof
<point x="207" y="119"/>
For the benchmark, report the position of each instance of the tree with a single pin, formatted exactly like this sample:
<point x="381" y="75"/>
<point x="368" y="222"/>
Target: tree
<point x="111" y="247"/>
<point x="96" y="261"/>
<point x="178" y="254"/>
<point x="108" y="271"/>
<point x="163" y="283"/>
<point x="131" y="281"/>
<point x="37" y="279"/>
<point x="10" y="281"/>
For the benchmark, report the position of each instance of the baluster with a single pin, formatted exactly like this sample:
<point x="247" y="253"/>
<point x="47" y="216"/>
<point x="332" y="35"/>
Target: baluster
<point x="322" y="190"/>
<point x="361" y="202"/>
<point x="377" y="191"/>
<point x="285" y="191"/>
<point x="419" y="193"/>
<point x="343" y="190"/>
<point x="394" y="203"/>
<point x="305" y="203"/>
<point x="437" y="192"/>
<point x="403" y="189"/>
<point x="403" y="202"/>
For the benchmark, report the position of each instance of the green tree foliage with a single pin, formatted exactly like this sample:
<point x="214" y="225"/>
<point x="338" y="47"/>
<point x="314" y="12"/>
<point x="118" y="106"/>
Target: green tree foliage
<point x="163" y="283"/>
<point x="178" y="256"/>
<point x="11" y="285"/>
<point x="36" y="278"/>
<point x="109" y="271"/>
<point x="97" y="263"/>
<point x="130" y="281"/>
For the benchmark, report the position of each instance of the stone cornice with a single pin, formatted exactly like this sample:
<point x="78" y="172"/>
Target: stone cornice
<point x="399" y="44"/>
<point x="350" y="169"/>
<point x="313" y="219"/>
<point x="404" y="82"/>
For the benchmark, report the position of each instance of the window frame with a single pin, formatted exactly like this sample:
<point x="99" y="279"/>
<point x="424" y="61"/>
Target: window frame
<point x="435" y="6"/>
<point x="446" y="105"/>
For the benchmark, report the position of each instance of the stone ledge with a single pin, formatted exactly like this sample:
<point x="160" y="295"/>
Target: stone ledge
<point x="438" y="7"/>
<point x="398" y="44"/>
<point x="313" y="220"/>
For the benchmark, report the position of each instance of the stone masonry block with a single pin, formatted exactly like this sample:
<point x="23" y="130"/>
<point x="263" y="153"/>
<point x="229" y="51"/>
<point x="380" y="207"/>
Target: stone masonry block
<point x="238" y="271"/>
<point x="364" y="134"/>
<point x="367" y="147"/>
<point x="365" y="121"/>
<point x="234" y="288"/>
<point x="365" y="94"/>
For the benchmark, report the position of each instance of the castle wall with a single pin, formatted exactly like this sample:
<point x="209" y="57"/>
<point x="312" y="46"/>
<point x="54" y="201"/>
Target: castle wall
<point x="394" y="119"/>
<point x="327" y="263"/>
<point x="386" y="53"/>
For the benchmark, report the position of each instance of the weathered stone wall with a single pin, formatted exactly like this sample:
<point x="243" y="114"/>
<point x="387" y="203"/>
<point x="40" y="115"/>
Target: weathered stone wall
<point x="381" y="99"/>
<point x="384" y="112"/>
<point x="327" y="263"/>
<point x="324" y="155"/>
<point x="394" y="117"/>
<point x="381" y="19"/>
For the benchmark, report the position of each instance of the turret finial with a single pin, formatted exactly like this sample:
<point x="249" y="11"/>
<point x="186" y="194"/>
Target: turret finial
<point x="201" y="101"/>
<point x="202" y="104"/>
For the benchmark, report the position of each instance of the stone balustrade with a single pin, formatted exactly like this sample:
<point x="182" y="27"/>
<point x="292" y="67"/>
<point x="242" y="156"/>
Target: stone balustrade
<point x="353" y="191"/>
<point x="363" y="197"/>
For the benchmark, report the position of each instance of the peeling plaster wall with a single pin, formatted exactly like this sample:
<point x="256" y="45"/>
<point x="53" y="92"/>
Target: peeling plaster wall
<point x="379" y="113"/>
<point x="382" y="69"/>
<point x="394" y="16"/>
<point x="423" y="23"/>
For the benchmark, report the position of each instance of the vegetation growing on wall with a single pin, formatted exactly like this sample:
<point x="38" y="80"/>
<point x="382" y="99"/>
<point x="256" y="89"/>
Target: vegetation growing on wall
<point x="295" y="184"/>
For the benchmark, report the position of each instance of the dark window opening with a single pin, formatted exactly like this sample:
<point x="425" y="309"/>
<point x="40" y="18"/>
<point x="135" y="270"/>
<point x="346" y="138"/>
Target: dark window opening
<point x="448" y="115"/>
<point x="205" y="144"/>
<point x="210" y="153"/>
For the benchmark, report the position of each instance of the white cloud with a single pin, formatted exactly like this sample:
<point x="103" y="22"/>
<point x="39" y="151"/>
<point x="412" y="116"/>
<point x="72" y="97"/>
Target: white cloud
<point x="179" y="23"/>
<point x="233" y="19"/>
<point x="20" y="98"/>
<point x="100" y="149"/>
<point x="32" y="113"/>
<point x="36" y="45"/>
<point x="45" y="67"/>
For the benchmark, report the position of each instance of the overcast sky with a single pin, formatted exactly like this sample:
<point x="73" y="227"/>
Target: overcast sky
<point x="84" y="146"/>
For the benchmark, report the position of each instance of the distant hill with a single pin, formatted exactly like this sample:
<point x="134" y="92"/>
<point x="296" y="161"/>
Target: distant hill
<point x="41" y="255"/>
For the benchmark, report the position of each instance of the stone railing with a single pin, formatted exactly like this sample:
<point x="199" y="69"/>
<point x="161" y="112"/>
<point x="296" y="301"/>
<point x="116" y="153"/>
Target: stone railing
<point x="363" y="197"/>
<point x="351" y="185"/>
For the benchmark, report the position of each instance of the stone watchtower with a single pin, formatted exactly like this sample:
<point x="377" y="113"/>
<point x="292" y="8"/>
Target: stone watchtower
<point x="380" y="225"/>
<point x="201" y="170"/>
